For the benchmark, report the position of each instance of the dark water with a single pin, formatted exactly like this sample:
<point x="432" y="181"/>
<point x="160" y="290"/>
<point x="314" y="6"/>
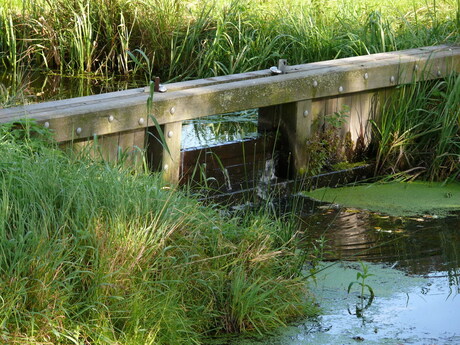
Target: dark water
<point x="419" y="245"/>
<point x="415" y="267"/>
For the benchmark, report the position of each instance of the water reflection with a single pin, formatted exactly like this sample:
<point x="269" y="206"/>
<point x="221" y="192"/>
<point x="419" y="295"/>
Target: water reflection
<point x="419" y="245"/>
<point x="416" y="280"/>
<point x="25" y="86"/>
<point x="219" y="129"/>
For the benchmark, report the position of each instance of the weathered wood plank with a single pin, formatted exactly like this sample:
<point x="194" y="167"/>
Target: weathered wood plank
<point x="171" y="154"/>
<point x="130" y="147"/>
<point x="360" y="114"/>
<point x="334" y="79"/>
<point x="228" y="154"/>
<point x="296" y="119"/>
<point x="88" y="100"/>
<point x="293" y="69"/>
<point x="163" y="150"/>
<point x="229" y="165"/>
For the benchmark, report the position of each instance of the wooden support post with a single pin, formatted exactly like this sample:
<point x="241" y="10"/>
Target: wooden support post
<point x="171" y="159"/>
<point x="296" y="122"/>
<point x="108" y="147"/>
<point x="131" y="147"/>
<point x="165" y="156"/>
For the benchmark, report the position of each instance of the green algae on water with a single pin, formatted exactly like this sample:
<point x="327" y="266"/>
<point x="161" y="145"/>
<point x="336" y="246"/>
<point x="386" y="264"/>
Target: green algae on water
<point x="396" y="198"/>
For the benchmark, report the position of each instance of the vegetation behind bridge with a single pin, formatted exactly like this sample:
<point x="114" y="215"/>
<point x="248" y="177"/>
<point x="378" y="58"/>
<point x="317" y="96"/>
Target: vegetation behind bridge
<point x="182" y="39"/>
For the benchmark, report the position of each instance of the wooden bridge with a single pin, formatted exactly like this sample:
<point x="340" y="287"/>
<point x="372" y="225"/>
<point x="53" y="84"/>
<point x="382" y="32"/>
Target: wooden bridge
<point x="291" y="97"/>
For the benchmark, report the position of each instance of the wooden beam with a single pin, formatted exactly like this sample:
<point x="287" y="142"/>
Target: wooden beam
<point x="190" y="84"/>
<point x="328" y="78"/>
<point x="296" y="121"/>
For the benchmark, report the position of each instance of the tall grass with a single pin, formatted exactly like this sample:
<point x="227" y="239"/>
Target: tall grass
<point x="98" y="254"/>
<point x="419" y="130"/>
<point x="187" y="39"/>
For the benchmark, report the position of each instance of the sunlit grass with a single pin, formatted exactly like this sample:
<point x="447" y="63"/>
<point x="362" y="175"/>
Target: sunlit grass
<point x="99" y="254"/>
<point x="418" y="131"/>
<point x="189" y="39"/>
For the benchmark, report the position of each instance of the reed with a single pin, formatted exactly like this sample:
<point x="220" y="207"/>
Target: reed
<point x="186" y="39"/>
<point x="419" y="130"/>
<point x="100" y="254"/>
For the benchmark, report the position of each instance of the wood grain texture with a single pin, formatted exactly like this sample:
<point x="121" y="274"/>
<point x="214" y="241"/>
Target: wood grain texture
<point x="116" y="112"/>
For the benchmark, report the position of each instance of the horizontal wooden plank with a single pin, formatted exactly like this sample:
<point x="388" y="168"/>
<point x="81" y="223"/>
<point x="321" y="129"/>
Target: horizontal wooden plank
<point x="237" y="161"/>
<point x="214" y="161"/>
<point x="234" y="178"/>
<point x="190" y="84"/>
<point x="231" y="149"/>
<point x="336" y="77"/>
<point x="119" y="95"/>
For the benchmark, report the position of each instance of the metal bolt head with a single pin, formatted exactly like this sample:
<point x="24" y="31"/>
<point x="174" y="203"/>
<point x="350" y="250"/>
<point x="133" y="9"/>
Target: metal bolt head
<point x="172" y="110"/>
<point x="305" y="113"/>
<point x="340" y="89"/>
<point x="165" y="167"/>
<point x="392" y="79"/>
<point x="46" y="124"/>
<point x="141" y="121"/>
<point x="111" y="118"/>
<point x="315" y="83"/>
<point x="78" y="131"/>
<point x="170" y="134"/>
<point x="366" y="76"/>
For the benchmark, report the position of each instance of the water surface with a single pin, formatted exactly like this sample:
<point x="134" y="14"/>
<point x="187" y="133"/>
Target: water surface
<point x="415" y="267"/>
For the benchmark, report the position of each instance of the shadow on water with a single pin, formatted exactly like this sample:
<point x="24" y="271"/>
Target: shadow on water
<point x="26" y="86"/>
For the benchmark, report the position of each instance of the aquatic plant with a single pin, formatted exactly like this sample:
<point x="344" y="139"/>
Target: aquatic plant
<point x="361" y="281"/>
<point x="413" y="198"/>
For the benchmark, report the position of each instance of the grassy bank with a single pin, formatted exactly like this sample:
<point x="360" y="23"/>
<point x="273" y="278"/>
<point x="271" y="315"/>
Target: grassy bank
<point x="418" y="132"/>
<point x="97" y="254"/>
<point x="187" y="39"/>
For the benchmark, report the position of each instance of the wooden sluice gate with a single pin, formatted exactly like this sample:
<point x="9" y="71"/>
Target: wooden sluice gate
<point x="230" y="166"/>
<point x="292" y="100"/>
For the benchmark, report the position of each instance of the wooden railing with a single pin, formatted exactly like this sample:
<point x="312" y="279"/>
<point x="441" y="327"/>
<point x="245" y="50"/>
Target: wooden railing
<point x="293" y="99"/>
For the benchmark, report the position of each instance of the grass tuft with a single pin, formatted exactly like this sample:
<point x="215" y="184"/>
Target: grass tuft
<point x="94" y="254"/>
<point x="185" y="39"/>
<point x="419" y="130"/>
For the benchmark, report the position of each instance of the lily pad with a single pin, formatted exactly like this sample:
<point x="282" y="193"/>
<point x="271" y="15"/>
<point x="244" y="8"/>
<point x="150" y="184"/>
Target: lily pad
<point x="396" y="198"/>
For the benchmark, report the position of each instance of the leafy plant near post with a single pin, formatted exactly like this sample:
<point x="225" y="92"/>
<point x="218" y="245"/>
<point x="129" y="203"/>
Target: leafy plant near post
<point x="328" y="147"/>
